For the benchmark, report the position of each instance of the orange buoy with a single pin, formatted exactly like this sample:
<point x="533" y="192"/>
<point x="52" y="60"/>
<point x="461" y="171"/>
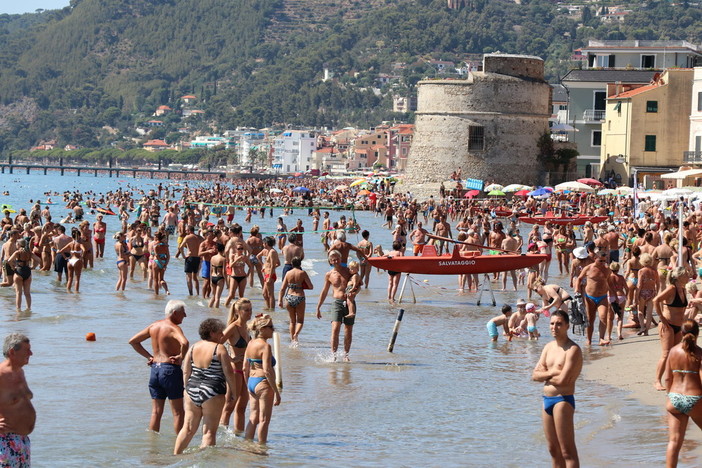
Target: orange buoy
<point x="90" y="336"/>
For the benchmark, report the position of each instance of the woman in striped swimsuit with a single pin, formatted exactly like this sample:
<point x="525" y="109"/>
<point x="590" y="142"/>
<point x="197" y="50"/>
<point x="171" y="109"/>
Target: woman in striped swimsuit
<point x="207" y="369"/>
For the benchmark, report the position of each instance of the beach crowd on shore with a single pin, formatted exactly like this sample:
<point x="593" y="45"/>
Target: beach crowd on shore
<point x="626" y="274"/>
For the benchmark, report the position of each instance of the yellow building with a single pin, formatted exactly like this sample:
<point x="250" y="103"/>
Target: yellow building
<point x="646" y="128"/>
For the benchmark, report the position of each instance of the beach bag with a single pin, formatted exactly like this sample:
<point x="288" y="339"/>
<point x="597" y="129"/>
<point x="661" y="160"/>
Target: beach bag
<point x="577" y="315"/>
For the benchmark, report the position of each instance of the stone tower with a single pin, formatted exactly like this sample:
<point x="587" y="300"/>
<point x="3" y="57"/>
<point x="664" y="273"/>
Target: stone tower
<point x="486" y="125"/>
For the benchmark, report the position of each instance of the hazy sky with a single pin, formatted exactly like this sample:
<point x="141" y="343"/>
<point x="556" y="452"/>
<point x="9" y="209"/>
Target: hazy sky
<point x="30" y="6"/>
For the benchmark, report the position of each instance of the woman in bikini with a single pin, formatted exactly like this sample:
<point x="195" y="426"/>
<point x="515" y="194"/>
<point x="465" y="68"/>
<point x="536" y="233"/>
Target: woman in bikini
<point x="218" y="277"/>
<point x="648" y="286"/>
<point x="207" y="370"/>
<point x="76" y="250"/>
<point x="260" y="378"/>
<point x="293" y="291"/>
<point x="23" y="260"/>
<point x="617" y="298"/>
<point x="670" y="305"/>
<point x="564" y="246"/>
<point x="137" y="252"/>
<point x="100" y="229"/>
<point x="553" y="296"/>
<point x="633" y="266"/>
<point x="86" y="238"/>
<point x="684" y="389"/>
<point x="270" y="261"/>
<point x="236" y="337"/>
<point x="160" y="255"/>
<point x="237" y="270"/>
<point x="662" y="255"/>
<point x="122" y="252"/>
<point x="365" y="246"/>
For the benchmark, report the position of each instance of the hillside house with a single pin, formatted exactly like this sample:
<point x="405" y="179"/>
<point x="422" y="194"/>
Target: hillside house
<point x="155" y="145"/>
<point x="162" y="110"/>
<point x="188" y="99"/>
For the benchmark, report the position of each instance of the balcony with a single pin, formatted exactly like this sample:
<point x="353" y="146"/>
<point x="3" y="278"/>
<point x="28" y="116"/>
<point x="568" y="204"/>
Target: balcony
<point x="692" y="157"/>
<point x="593" y="116"/>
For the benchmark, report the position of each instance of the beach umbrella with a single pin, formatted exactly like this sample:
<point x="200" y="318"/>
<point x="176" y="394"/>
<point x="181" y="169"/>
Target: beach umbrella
<point x="358" y="182"/>
<point x="550" y="189"/>
<point x="574" y="186"/>
<point x="590" y="181"/>
<point x="301" y="189"/>
<point x="341" y="187"/>
<point x="522" y="193"/>
<point x="471" y="193"/>
<point x="496" y="193"/>
<point x="492" y="187"/>
<point x="540" y="192"/>
<point x="607" y="192"/>
<point x="623" y="190"/>
<point x="276" y="190"/>
<point x="677" y="192"/>
<point x="362" y="193"/>
<point x="515" y="188"/>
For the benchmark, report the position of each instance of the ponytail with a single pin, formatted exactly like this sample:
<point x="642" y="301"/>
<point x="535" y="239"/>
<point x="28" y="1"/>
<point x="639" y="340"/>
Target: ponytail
<point x="690" y="331"/>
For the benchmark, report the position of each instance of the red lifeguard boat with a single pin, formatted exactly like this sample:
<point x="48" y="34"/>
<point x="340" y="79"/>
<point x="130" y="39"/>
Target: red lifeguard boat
<point x="456" y="263"/>
<point x="577" y="220"/>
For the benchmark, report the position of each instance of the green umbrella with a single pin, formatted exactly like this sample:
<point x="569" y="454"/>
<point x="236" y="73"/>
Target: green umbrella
<point x="496" y="193"/>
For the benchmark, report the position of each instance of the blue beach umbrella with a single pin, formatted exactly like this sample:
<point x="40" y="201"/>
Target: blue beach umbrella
<point x="301" y="189"/>
<point x="540" y="192"/>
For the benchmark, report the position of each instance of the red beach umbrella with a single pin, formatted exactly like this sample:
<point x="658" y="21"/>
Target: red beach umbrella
<point x="471" y="193"/>
<point x="591" y="182"/>
<point x="522" y="193"/>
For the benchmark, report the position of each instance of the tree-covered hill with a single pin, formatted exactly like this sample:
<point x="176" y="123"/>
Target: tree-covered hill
<point x="88" y="74"/>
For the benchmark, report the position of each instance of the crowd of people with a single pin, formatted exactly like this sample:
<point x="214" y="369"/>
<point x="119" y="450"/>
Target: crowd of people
<point x="629" y="272"/>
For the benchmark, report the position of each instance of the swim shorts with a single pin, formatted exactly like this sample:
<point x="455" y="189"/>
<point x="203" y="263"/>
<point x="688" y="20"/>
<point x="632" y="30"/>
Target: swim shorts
<point x="166" y="381"/>
<point x="205" y="269"/>
<point x="60" y="264"/>
<point x="418" y="248"/>
<point x="339" y="312"/>
<point x="192" y="264"/>
<point x="492" y="329"/>
<point x="14" y="450"/>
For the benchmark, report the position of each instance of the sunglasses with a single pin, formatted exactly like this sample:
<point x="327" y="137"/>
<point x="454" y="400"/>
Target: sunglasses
<point x="269" y="326"/>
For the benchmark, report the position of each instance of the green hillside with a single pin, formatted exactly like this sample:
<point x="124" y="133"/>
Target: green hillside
<point x="88" y="74"/>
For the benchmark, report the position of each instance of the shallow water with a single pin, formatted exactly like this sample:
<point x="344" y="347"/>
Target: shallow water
<point x="446" y="396"/>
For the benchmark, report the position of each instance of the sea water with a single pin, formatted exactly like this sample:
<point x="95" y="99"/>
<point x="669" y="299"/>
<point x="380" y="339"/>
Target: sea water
<point x="446" y="396"/>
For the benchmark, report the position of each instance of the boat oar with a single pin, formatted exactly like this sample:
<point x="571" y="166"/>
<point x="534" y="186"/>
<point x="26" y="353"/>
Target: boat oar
<point x="480" y="246"/>
<point x="395" y="330"/>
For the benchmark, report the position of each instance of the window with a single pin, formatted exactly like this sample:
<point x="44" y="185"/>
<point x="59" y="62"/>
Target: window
<point x="600" y="102"/>
<point x="604" y="61"/>
<point x="698" y="143"/>
<point x="650" y="143"/>
<point x="596" y="138"/>
<point x="699" y="101"/>
<point x="651" y="106"/>
<point x="476" y="138"/>
<point x="648" y="61"/>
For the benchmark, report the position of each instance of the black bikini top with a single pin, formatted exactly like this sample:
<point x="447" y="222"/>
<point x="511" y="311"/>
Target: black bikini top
<point x="678" y="301"/>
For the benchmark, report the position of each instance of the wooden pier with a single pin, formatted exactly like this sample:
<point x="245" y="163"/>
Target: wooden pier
<point x="11" y="167"/>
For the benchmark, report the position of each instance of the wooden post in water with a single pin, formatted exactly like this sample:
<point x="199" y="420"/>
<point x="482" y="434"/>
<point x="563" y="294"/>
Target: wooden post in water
<point x="395" y="330"/>
<point x="278" y="365"/>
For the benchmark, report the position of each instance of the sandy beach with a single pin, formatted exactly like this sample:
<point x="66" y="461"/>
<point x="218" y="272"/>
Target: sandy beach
<point x="630" y="365"/>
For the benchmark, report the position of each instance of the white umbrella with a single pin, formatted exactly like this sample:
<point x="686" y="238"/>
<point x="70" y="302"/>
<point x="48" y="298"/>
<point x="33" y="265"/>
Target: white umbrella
<point x="574" y="186"/>
<point x="676" y="192"/>
<point x="276" y="190"/>
<point x="515" y="188"/>
<point x="492" y="187"/>
<point x="606" y="192"/>
<point x="623" y="190"/>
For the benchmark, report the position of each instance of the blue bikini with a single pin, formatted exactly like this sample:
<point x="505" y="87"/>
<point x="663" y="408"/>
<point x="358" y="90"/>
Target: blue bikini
<point x="254" y="381"/>
<point x="597" y="299"/>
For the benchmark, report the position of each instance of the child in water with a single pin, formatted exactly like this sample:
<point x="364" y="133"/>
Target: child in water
<point x="500" y="320"/>
<point x="530" y="319"/>
<point x="352" y="288"/>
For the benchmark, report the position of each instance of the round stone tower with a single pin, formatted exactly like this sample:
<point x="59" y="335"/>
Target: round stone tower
<point x="486" y="125"/>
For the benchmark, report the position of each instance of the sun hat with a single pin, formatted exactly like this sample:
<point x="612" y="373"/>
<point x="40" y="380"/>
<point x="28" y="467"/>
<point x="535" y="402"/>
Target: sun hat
<point x="530" y="306"/>
<point x="521" y="302"/>
<point x="580" y="253"/>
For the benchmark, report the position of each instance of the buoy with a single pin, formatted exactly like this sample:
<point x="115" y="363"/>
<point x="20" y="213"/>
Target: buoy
<point x="90" y="336"/>
<point x="278" y="365"/>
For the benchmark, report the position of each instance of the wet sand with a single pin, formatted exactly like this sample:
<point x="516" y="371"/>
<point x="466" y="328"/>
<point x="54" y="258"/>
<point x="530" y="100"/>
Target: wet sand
<point x="630" y="365"/>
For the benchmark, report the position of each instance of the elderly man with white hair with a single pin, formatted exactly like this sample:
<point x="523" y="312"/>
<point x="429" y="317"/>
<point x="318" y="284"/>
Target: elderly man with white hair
<point x="169" y="348"/>
<point x="17" y="414"/>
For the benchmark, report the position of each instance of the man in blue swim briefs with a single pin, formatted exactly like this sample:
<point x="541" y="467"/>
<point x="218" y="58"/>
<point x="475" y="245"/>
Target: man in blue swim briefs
<point x="337" y="280"/>
<point x="17" y="414"/>
<point x="558" y="368"/>
<point x="169" y="346"/>
<point x="598" y="286"/>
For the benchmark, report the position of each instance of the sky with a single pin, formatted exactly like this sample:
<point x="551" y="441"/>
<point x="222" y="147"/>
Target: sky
<point x="30" y="6"/>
